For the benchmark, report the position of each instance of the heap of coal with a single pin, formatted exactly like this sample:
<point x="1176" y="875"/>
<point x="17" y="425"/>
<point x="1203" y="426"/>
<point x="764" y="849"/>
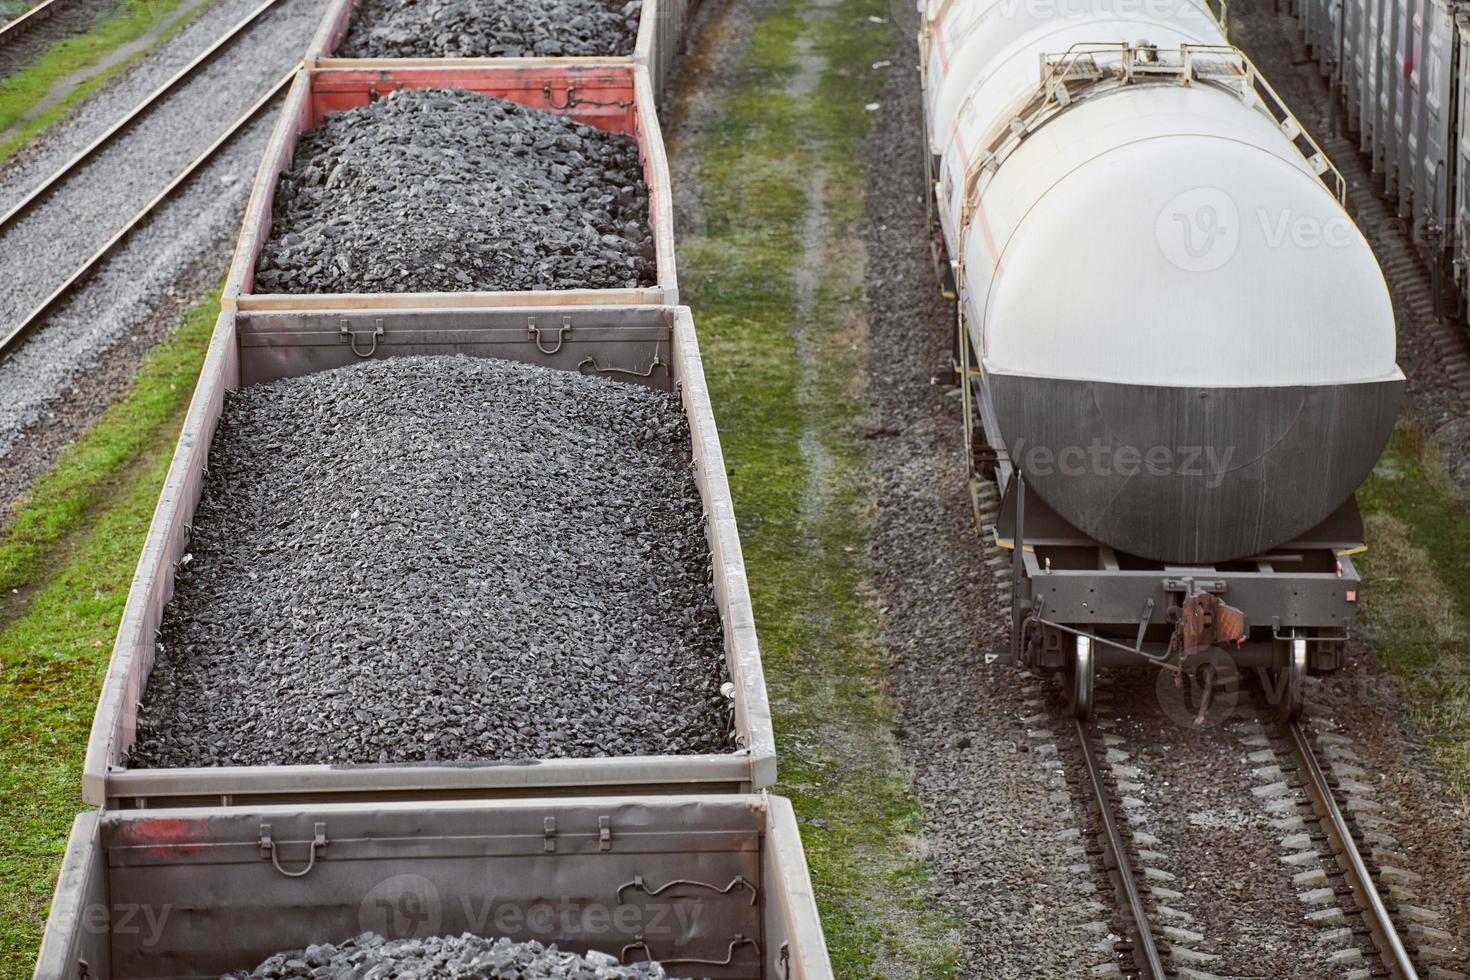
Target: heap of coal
<point x="370" y="955"/>
<point x="426" y="559"/>
<point x="445" y="190"/>
<point x="491" y="28"/>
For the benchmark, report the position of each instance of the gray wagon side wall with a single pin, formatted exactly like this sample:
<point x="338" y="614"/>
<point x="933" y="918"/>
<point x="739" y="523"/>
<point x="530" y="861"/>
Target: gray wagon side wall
<point x="105" y="777"/>
<point x="732" y="865"/>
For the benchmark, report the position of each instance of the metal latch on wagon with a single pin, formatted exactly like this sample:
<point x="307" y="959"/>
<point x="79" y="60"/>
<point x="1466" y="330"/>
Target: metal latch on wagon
<point x="269" y="847"/>
<point x="533" y="333"/>
<point x="345" y="332"/>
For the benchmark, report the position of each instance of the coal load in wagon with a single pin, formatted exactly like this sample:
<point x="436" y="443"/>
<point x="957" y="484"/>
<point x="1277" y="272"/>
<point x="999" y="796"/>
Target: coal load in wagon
<point x="492" y="29"/>
<point x="446" y="190"/>
<point x="370" y="955"/>
<point x="432" y="559"/>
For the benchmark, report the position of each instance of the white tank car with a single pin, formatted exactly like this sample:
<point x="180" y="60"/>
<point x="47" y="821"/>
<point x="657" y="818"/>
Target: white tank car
<point x="1183" y="341"/>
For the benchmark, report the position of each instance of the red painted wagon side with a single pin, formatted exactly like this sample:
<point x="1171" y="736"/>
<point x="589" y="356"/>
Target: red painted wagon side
<point x="613" y="97"/>
<point x="661" y="28"/>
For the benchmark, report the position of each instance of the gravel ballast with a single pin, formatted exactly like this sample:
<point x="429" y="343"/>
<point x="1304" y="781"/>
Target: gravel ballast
<point x="446" y="190"/>
<point x="441" y="559"/>
<point x="491" y="29"/>
<point x="372" y="956"/>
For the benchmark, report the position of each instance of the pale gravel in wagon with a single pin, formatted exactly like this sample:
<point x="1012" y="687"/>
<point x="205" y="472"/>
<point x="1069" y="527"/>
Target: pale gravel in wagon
<point x="444" y="558"/>
<point x="491" y="29"/>
<point x="447" y="190"/>
<point x="467" y="955"/>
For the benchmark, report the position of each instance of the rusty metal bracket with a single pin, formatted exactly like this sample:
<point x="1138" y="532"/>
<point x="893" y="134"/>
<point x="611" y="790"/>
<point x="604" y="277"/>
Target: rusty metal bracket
<point x="1206" y="620"/>
<point x="640" y="943"/>
<point x="739" y="881"/>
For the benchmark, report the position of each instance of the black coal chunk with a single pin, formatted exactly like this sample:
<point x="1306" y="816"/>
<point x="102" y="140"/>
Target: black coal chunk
<point x="446" y="190"/>
<point x="435" y="559"/>
<point x="491" y="28"/>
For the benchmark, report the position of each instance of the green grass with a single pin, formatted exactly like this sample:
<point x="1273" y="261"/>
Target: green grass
<point x="787" y="392"/>
<point x="22" y="92"/>
<point x="1417" y="592"/>
<point x="74" y="544"/>
<point x="91" y="470"/>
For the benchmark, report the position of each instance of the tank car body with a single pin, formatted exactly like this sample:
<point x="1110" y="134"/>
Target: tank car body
<point x="1177" y="349"/>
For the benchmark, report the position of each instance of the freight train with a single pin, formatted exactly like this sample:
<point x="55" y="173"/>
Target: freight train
<point x="1400" y="77"/>
<point x="1177" y="351"/>
<point x="212" y="864"/>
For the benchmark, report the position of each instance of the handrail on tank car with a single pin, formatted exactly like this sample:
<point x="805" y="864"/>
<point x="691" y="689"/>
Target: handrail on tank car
<point x="1208" y="63"/>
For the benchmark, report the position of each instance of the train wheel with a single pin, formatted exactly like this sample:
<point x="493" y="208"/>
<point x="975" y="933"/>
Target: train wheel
<point x="1081" y="673"/>
<point x="1288" y="684"/>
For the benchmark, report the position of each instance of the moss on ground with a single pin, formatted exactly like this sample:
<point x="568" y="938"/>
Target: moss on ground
<point x="72" y="547"/>
<point x="787" y="363"/>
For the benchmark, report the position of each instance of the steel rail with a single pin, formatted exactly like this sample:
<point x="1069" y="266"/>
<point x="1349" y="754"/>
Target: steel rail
<point x="17" y="26"/>
<point x="1375" y="915"/>
<point x="1145" y="952"/>
<point x="11" y="341"/>
<point x="97" y="145"/>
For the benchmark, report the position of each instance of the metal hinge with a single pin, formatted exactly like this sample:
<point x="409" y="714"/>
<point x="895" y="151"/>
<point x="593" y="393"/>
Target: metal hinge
<point x="604" y="833"/>
<point x="548" y="833"/>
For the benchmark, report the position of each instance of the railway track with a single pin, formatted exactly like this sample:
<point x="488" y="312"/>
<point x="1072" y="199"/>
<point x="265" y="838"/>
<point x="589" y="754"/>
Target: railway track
<point x="14" y="335"/>
<point x="18" y="26"/>
<point x="1138" y="950"/>
<point x="1353" y="913"/>
<point x="1337" y="841"/>
<point x="70" y="168"/>
<point x="1341" y="839"/>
